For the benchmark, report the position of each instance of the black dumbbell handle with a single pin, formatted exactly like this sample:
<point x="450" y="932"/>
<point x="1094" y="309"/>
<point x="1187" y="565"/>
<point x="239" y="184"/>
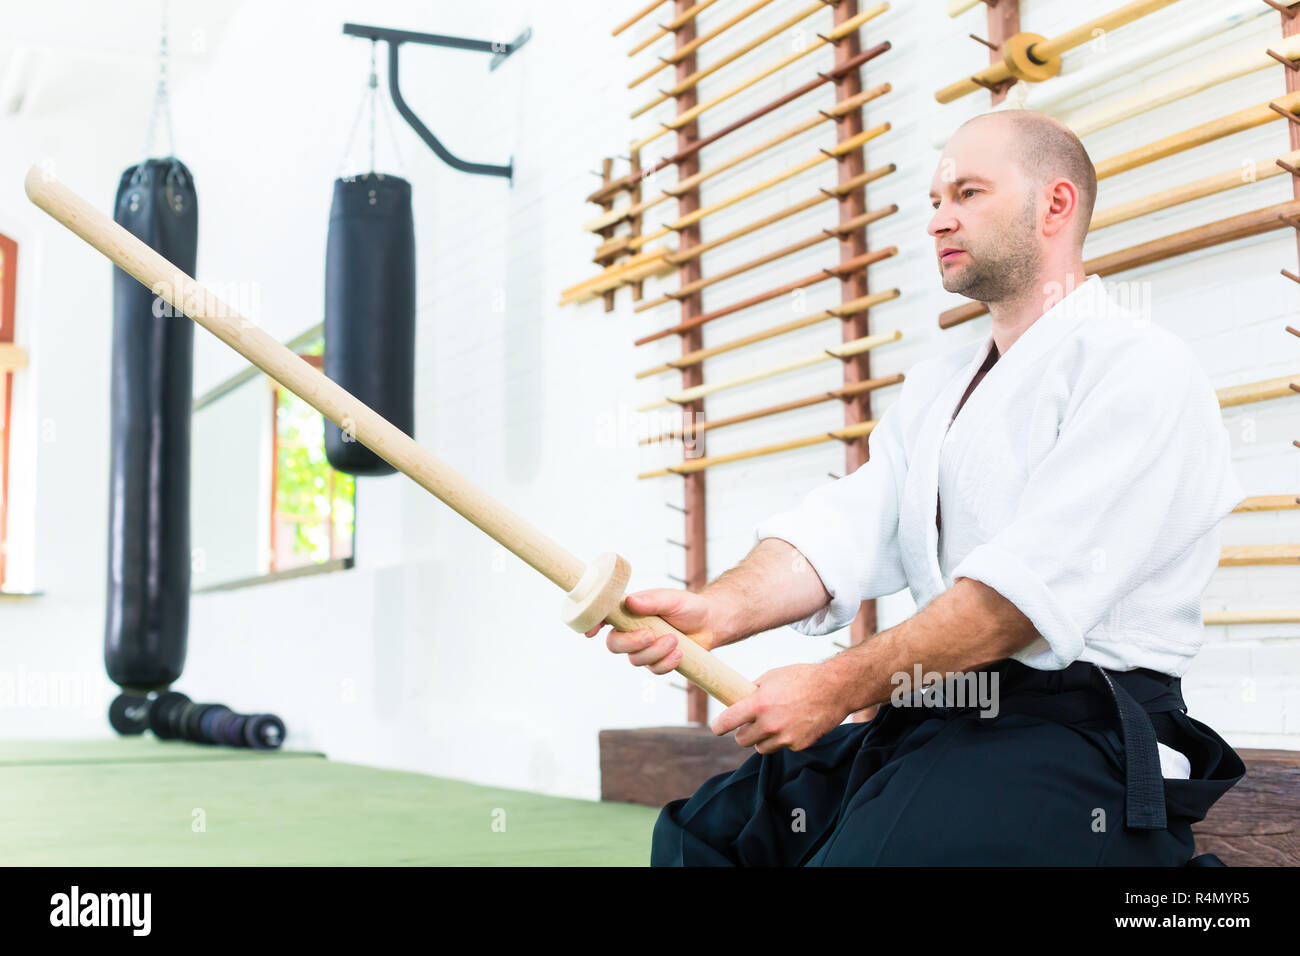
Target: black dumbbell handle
<point x="181" y="718"/>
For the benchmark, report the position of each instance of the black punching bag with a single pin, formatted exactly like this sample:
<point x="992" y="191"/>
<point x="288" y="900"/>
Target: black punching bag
<point x="152" y="392"/>
<point x="370" y="310"/>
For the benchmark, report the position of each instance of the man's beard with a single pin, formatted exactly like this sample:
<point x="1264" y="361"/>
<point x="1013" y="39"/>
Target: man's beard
<point x="1004" y="267"/>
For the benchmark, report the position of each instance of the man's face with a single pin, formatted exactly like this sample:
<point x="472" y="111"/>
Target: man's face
<point x="985" y="224"/>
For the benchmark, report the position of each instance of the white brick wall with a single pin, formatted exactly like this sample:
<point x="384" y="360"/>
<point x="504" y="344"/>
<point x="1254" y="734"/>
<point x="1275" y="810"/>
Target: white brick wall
<point x="440" y="652"/>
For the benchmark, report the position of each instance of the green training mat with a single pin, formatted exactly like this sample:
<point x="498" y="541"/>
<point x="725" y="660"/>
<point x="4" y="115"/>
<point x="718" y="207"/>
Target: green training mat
<point x="139" y="801"/>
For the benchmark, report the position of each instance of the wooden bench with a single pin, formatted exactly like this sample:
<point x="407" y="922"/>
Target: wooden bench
<point x="1256" y="823"/>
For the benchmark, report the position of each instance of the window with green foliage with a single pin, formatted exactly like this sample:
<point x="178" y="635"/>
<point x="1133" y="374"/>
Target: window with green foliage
<point x="313" y="514"/>
<point x="8" y="279"/>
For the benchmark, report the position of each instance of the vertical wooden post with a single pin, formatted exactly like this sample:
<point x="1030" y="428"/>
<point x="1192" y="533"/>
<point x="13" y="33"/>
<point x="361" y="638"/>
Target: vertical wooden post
<point x="1290" y="27"/>
<point x="606" y="173"/>
<point x="857" y="408"/>
<point x="634" y="197"/>
<point x="697" y="555"/>
<point x="1004" y="21"/>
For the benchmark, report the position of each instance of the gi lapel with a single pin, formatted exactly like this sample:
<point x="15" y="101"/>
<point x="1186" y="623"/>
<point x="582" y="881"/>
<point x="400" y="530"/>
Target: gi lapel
<point x="1043" y="334"/>
<point x="924" y="467"/>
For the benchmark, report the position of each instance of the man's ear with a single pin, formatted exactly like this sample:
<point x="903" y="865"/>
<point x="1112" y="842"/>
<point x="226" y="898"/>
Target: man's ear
<point x="1062" y="206"/>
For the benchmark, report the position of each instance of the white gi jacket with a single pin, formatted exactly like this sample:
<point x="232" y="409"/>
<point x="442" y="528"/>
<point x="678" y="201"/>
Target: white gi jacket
<point x="1084" y="480"/>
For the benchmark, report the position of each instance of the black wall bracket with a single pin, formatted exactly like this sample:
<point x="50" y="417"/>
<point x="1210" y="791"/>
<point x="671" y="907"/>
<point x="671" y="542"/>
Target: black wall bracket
<point x="395" y="39"/>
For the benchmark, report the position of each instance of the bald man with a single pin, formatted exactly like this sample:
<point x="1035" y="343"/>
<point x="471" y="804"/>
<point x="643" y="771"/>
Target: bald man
<point x="1051" y="494"/>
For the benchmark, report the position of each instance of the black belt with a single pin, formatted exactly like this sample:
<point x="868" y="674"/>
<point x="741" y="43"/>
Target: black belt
<point x="1070" y="696"/>
<point x="1144" y="788"/>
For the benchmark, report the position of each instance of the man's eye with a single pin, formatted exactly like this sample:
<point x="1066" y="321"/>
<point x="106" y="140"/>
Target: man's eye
<point x="968" y="192"/>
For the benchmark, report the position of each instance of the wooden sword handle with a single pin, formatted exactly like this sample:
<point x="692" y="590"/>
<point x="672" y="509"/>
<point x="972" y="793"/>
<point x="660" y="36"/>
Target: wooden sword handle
<point x="345" y="410"/>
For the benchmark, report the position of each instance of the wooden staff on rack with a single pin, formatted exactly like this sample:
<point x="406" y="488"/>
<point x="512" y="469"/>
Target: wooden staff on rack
<point x="847" y="433"/>
<point x="625" y="183"/>
<point x="1197" y="189"/>
<point x="1174" y="38"/>
<point x="1166" y="247"/>
<point x="687" y="49"/>
<point x="838" y="33"/>
<point x="647" y="263"/>
<point x="844" y="351"/>
<point x="837" y="394"/>
<point x="638" y="16"/>
<point x="1179" y="87"/>
<point x="838" y="232"/>
<point x="386" y="440"/>
<point x="1261" y="391"/>
<point x="1258" y="555"/>
<point x="1030" y="56"/>
<point x="652" y="262"/>
<point x="690" y="182"/>
<point x="686" y="16"/>
<point x="822" y="195"/>
<point x="841" y="270"/>
<point x="1256" y="503"/>
<point x="1249" y="118"/>
<point x="1219" y="618"/>
<point x="833" y="153"/>
<point x="1249" y="555"/>
<point x="690" y="82"/>
<point x="841" y="311"/>
<point x="13" y="358"/>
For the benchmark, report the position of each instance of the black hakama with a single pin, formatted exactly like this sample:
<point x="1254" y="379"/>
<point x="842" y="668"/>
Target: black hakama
<point x="1066" y="774"/>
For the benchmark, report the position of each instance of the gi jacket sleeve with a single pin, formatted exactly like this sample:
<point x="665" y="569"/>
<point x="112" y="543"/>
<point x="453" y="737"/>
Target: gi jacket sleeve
<point x="848" y="530"/>
<point x="1132" y="490"/>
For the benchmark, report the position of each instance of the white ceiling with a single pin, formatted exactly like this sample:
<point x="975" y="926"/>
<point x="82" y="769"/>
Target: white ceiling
<point x="55" y="52"/>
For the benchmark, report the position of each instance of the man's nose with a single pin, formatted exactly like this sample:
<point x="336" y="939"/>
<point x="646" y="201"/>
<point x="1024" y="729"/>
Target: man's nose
<point x="941" y="223"/>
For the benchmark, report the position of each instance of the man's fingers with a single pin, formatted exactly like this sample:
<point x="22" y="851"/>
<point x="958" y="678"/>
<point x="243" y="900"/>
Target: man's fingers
<point x="737" y="715"/>
<point x="667" y="665"/>
<point x="655" y="601"/>
<point x="751" y="735"/>
<point x="658" y="651"/>
<point x="645" y="648"/>
<point x="626" y="642"/>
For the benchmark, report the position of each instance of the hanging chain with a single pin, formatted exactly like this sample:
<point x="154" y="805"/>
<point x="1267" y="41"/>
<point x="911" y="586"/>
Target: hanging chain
<point x="371" y="99"/>
<point x="161" y="100"/>
<point x="392" y="131"/>
<point x="367" y="98"/>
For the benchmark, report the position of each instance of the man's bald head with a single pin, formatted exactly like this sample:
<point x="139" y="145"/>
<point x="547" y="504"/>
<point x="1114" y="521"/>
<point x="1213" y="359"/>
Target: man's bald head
<point x="1046" y="149"/>
<point x="1012" y="199"/>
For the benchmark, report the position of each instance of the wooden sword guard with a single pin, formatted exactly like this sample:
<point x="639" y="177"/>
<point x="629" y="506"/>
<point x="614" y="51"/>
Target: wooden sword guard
<point x="598" y="593"/>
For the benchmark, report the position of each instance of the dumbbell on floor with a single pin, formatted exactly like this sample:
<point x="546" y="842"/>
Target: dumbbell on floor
<point x="173" y="716"/>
